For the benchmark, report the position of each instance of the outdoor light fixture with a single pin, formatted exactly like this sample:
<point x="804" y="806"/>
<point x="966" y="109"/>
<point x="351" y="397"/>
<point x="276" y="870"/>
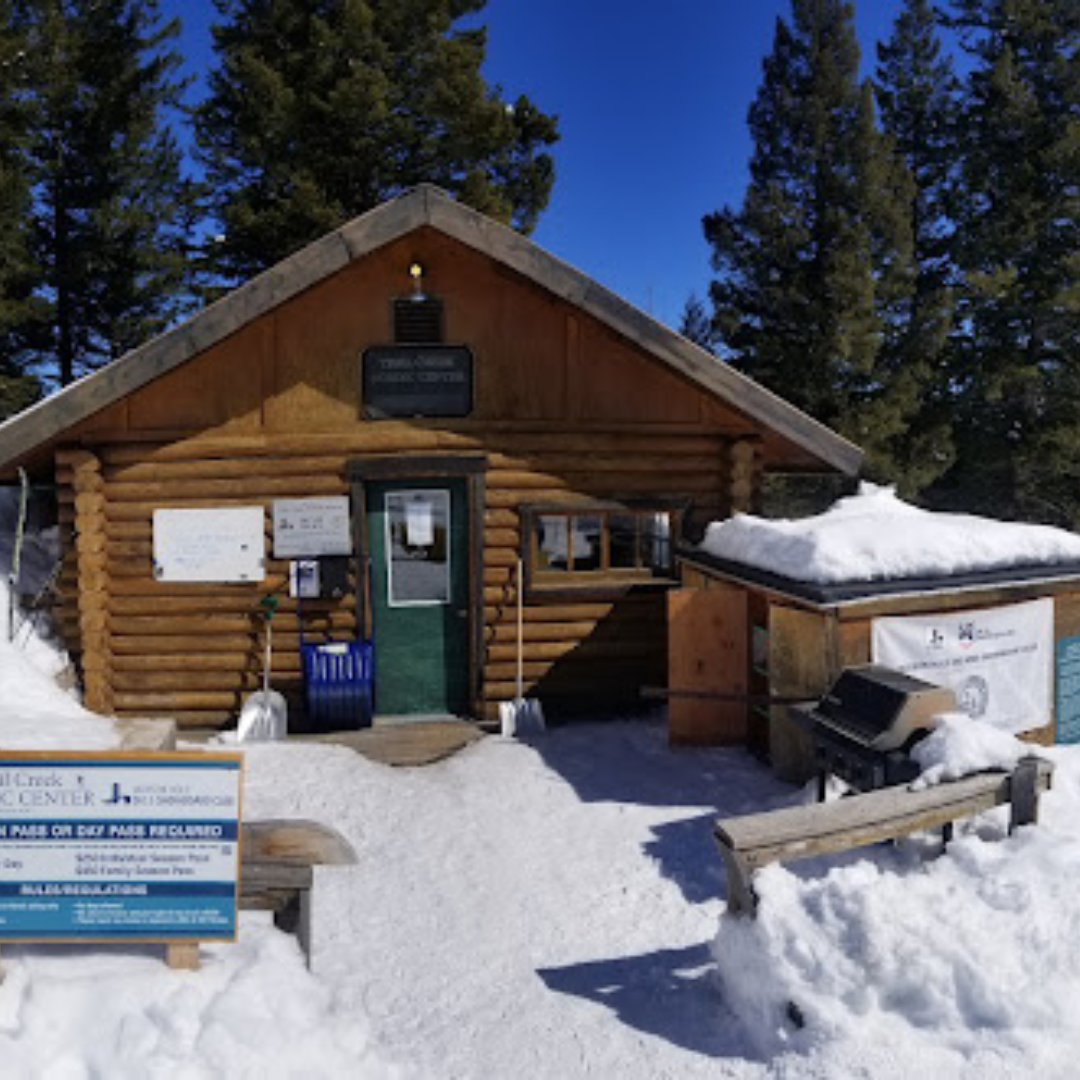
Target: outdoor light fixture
<point x="416" y="272"/>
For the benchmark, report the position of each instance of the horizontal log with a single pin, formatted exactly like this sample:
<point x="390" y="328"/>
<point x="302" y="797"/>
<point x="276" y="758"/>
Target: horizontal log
<point x="502" y="519"/>
<point x="165" y="704"/>
<point x="405" y="436"/>
<point x="583" y="686"/>
<point x="226" y="469"/>
<point x="642" y="606"/>
<point x="285" y="641"/>
<point x="215" y="624"/>
<point x="215" y="604"/>
<point x="535" y="651"/>
<point x="227" y="660"/>
<point x="558" y="463"/>
<point x="170" y="644"/>
<point x="502" y="537"/>
<point x="276" y="584"/>
<point x="584" y="480"/>
<point x="123" y="681"/>
<point x="501" y="557"/>
<point x="568" y="631"/>
<point x="247" y="487"/>
<point x="631" y="669"/>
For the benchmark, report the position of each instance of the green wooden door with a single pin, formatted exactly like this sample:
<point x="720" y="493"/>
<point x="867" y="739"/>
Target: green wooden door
<point x="418" y="541"/>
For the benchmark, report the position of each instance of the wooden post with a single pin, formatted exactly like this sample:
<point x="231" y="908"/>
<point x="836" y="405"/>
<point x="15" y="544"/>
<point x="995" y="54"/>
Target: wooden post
<point x="182" y="955"/>
<point x="92" y="578"/>
<point x="1024" y="796"/>
<point x="744" y="474"/>
<point x="738" y="877"/>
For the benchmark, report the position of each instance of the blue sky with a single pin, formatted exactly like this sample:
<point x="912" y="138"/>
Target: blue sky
<point x="652" y="101"/>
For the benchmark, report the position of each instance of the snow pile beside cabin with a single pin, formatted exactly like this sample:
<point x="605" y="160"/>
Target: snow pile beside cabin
<point x="38" y="713"/>
<point x="876" y="536"/>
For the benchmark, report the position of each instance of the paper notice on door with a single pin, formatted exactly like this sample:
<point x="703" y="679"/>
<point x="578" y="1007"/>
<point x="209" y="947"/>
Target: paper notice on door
<point x="419" y="523"/>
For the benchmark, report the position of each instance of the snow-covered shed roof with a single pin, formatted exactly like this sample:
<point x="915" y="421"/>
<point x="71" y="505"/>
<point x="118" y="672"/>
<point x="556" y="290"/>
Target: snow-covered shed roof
<point x="422" y="206"/>
<point x="875" y="544"/>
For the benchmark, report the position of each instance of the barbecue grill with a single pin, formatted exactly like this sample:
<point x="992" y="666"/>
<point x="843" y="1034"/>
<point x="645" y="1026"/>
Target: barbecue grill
<point x="864" y="728"/>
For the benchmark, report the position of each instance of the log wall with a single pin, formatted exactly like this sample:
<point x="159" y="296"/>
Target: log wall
<point x="194" y="651"/>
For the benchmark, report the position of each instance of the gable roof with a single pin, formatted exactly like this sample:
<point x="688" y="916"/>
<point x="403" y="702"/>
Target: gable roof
<point x="425" y="205"/>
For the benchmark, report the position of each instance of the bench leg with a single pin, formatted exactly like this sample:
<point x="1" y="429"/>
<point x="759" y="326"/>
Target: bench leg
<point x="741" y="899"/>
<point x="1024" y="794"/>
<point x="295" y="918"/>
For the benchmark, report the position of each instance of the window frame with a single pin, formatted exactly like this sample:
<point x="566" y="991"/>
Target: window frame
<point x="606" y="581"/>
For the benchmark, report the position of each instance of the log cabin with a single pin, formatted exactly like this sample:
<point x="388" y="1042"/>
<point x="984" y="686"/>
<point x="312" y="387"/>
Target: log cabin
<point x="417" y="401"/>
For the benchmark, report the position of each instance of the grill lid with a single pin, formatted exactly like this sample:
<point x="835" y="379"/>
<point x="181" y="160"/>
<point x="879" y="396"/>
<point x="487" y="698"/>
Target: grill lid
<point x="879" y="707"/>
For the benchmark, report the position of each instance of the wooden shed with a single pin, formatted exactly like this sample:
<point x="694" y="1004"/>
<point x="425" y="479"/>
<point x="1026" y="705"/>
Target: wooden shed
<point x="774" y="636"/>
<point x="468" y="398"/>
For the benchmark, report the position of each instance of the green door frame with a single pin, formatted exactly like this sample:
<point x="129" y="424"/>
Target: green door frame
<point x="408" y="470"/>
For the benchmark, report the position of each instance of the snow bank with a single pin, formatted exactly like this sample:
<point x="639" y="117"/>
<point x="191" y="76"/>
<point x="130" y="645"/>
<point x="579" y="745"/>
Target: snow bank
<point x="970" y="961"/>
<point x="959" y="746"/>
<point x="875" y="536"/>
<point x="253" y="1010"/>
<point x="38" y="714"/>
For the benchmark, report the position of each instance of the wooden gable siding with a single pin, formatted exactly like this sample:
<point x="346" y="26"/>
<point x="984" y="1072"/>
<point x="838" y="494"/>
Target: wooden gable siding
<point x="566" y="411"/>
<point x="537" y="358"/>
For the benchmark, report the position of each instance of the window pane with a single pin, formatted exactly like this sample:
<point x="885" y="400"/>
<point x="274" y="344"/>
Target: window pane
<point x="551" y="542"/>
<point x="657" y="541"/>
<point x="585" y="543"/>
<point x="418" y="542"/>
<point x="622" y="538"/>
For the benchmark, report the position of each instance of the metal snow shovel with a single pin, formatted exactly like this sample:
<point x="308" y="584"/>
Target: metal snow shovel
<point x="265" y="715"/>
<point x="520" y="716"/>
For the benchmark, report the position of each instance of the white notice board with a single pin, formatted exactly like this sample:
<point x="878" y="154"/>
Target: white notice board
<point x="306" y="528"/>
<point x="224" y="544"/>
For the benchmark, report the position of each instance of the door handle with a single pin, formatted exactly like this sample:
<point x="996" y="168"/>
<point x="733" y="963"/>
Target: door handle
<point x="462" y="613"/>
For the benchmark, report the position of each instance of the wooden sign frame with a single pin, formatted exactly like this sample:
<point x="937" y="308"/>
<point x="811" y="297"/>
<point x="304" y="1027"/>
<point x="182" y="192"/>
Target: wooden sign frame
<point x="99" y="826"/>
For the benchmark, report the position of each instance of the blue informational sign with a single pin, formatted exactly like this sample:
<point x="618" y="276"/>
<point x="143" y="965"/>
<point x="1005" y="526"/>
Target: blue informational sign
<point x="137" y="847"/>
<point x="1068" y="690"/>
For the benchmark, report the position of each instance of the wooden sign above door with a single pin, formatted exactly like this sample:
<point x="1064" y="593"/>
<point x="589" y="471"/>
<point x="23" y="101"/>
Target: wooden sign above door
<point x="417" y="380"/>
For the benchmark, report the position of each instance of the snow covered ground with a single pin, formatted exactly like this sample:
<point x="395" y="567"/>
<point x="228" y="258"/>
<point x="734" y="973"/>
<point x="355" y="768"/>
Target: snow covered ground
<point x="552" y="910"/>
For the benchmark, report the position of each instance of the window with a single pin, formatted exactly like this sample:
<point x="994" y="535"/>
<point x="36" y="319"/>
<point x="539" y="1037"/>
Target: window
<point x="418" y="548"/>
<point x="590" y="547"/>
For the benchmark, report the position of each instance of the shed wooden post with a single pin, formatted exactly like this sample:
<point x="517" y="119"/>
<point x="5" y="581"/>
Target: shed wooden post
<point x="802" y="662"/>
<point x="744" y="474"/>
<point x="93" y="578"/>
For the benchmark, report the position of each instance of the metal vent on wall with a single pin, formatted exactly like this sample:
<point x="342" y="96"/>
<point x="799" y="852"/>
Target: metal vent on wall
<point x="418" y="320"/>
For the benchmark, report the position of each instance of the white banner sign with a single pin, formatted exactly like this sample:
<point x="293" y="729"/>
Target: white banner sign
<point x="999" y="661"/>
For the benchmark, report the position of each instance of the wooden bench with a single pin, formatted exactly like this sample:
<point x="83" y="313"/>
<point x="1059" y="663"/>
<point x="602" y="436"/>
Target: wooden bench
<point x="800" y="832"/>
<point x="277" y="870"/>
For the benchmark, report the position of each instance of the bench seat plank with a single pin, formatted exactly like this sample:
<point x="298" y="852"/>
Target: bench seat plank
<point x="753" y="840"/>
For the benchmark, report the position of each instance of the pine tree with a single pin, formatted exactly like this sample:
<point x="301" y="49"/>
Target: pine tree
<point x="109" y="207"/>
<point x="696" y="325"/>
<point x="918" y="96"/>
<point x="1018" y="339"/>
<point x="321" y="109"/>
<point x="815" y="268"/>
<point x="17" y="310"/>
